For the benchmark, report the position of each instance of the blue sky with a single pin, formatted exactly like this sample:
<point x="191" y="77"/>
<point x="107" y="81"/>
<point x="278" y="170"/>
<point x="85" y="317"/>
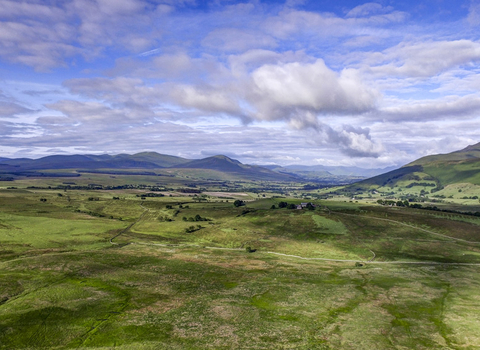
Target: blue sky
<point x="371" y="84"/>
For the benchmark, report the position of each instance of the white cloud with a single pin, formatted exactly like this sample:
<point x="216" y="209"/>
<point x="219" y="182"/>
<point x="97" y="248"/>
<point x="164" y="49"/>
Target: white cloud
<point x="451" y="107"/>
<point x="370" y="8"/>
<point x="424" y="59"/>
<point x="10" y="109"/>
<point x="288" y="90"/>
<point x="473" y="17"/>
<point x="351" y="141"/>
<point x="205" y="99"/>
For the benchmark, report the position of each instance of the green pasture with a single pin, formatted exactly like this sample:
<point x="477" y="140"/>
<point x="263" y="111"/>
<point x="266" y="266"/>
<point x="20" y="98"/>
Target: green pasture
<point x="343" y="276"/>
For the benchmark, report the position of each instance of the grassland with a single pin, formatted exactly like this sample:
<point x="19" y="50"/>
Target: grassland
<point x="80" y="269"/>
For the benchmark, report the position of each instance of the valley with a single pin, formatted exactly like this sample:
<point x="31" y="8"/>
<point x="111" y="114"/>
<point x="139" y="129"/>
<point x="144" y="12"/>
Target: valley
<point x="132" y="260"/>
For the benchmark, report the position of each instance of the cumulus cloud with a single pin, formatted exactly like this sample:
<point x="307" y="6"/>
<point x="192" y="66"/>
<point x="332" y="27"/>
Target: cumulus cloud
<point x="296" y="93"/>
<point x="246" y="62"/>
<point x="286" y="91"/>
<point x="293" y="90"/>
<point x="351" y="141"/>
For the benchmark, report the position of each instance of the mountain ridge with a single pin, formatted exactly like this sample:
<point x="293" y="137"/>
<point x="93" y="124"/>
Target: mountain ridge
<point x="440" y="170"/>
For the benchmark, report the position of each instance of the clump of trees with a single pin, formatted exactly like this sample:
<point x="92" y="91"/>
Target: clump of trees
<point x="404" y="203"/>
<point x="239" y="203"/>
<point x="151" y="195"/>
<point x="195" y="218"/>
<point x="308" y="206"/>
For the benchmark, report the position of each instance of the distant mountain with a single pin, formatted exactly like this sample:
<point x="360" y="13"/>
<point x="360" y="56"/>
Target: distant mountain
<point x="231" y="166"/>
<point x="146" y="160"/>
<point x="216" y="167"/>
<point x="160" y="160"/>
<point x="435" y="171"/>
<point x="332" y="170"/>
<point x="221" y="163"/>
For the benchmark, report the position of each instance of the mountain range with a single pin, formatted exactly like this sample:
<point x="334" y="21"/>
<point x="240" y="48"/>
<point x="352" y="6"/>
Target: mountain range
<point x="440" y="170"/>
<point x="145" y="162"/>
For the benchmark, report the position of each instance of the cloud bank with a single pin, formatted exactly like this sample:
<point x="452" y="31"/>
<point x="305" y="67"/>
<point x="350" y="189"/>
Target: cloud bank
<point x="331" y="82"/>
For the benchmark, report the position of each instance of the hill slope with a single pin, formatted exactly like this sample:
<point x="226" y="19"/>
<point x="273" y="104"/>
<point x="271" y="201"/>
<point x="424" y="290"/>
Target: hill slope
<point x="433" y="173"/>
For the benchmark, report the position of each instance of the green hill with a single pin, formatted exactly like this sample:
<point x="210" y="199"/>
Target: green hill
<point x="453" y="175"/>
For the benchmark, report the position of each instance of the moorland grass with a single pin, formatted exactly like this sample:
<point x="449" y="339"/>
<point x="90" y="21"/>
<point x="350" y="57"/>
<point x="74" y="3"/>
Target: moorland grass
<point x="64" y="285"/>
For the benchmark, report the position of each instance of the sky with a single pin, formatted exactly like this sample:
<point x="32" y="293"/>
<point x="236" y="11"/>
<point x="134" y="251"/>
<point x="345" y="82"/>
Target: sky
<point x="353" y="83"/>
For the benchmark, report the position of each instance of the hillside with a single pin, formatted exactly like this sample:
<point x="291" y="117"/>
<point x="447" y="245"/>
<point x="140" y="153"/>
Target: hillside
<point x="454" y="175"/>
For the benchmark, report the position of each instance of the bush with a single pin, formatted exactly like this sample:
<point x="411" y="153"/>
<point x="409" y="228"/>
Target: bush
<point x="238" y="203"/>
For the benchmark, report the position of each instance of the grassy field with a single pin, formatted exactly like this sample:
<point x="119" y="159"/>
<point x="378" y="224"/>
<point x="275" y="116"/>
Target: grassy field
<point x="80" y="269"/>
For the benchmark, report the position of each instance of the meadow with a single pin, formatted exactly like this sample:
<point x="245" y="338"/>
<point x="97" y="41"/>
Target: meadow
<point x="102" y="269"/>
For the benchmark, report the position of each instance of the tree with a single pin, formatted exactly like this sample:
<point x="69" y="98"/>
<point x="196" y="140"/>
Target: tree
<point x="282" y="204"/>
<point x="238" y="203"/>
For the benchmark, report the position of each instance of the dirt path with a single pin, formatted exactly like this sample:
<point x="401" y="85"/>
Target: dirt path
<point x="146" y="210"/>
<point x="370" y="261"/>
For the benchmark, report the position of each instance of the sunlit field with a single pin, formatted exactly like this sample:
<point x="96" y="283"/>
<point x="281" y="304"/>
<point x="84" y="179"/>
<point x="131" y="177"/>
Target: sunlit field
<point x="80" y="269"/>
